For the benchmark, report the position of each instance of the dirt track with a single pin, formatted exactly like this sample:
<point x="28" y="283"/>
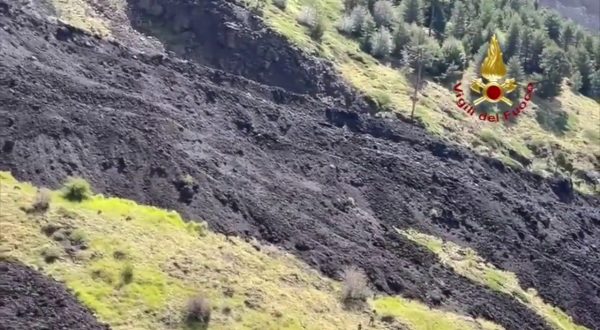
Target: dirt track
<point x="325" y="182"/>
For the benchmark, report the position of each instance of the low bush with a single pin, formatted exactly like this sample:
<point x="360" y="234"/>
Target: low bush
<point x="491" y="139"/>
<point x="50" y="253"/>
<point x="127" y="274"/>
<point x="77" y="189"/>
<point x="78" y="237"/>
<point x="381" y="43"/>
<point x="281" y="4"/>
<point x="355" y="286"/>
<point x="310" y="18"/>
<point x="198" y="310"/>
<point x="42" y="201"/>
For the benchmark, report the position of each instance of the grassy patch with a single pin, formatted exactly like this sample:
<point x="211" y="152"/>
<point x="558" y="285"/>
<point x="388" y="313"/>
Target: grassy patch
<point x="466" y="262"/>
<point x="418" y="316"/>
<point x="142" y="266"/>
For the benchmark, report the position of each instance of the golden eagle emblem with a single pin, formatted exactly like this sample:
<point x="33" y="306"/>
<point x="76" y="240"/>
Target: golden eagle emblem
<point x="493" y="70"/>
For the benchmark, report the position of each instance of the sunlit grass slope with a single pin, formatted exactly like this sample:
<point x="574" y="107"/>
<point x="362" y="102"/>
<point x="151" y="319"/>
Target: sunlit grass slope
<point x="250" y="286"/>
<point x="436" y="108"/>
<point x="466" y="262"/>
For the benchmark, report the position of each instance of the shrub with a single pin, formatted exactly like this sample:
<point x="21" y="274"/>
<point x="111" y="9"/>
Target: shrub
<point x="77" y="189"/>
<point x="576" y="82"/>
<point x="383" y="13"/>
<point x="383" y="100"/>
<point x="51" y="253"/>
<point x="198" y="310"/>
<point x="453" y="53"/>
<point x="41" y="202"/>
<point x="490" y="138"/>
<point x="317" y="31"/>
<point x="310" y="18"/>
<point x="127" y="274"/>
<point x="346" y="25"/>
<point x="355" y="22"/>
<point x="401" y="39"/>
<point x="381" y="43"/>
<point x="199" y="228"/>
<point x="281" y="4"/>
<point x="355" y="287"/>
<point x="78" y="236"/>
<point x="367" y="23"/>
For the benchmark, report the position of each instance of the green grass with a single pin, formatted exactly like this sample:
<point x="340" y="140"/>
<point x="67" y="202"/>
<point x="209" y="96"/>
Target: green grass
<point x="142" y="264"/>
<point x="466" y="262"/>
<point x="417" y="316"/>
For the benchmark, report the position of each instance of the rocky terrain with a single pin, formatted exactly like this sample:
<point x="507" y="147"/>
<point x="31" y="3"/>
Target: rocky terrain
<point x="29" y="300"/>
<point x="262" y="141"/>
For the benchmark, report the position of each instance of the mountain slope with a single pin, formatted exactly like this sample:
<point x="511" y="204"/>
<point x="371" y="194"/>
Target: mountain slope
<point x="249" y="285"/>
<point x="320" y="180"/>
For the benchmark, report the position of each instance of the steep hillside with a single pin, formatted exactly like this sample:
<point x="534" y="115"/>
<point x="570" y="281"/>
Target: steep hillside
<point x="317" y="176"/>
<point x="526" y="144"/>
<point x="96" y="242"/>
<point x="584" y="12"/>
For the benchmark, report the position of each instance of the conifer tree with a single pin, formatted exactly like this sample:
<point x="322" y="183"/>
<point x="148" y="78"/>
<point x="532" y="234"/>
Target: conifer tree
<point x="555" y="67"/>
<point x="595" y="85"/>
<point x="513" y="39"/>
<point x="457" y="25"/>
<point x="552" y="24"/>
<point x="531" y="59"/>
<point x="583" y="65"/>
<point x="567" y="36"/>
<point x="515" y="71"/>
<point x="412" y="11"/>
<point x="576" y="81"/>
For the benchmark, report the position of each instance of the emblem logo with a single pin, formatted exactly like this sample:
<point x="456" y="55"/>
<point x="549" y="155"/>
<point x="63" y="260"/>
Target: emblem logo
<point x="493" y="70"/>
<point x="493" y="88"/>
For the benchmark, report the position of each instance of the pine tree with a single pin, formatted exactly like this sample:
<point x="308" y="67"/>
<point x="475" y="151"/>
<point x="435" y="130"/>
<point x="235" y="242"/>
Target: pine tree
<point x="583" y="64"/>
<point x="381" y="43"/>
<point x="457" y="25"/>
<point x="436" y="18"/>
<point x="567" y="37"/>
<point x="531" y="59"/>
<point x="595" y="85"/>
<point x="515" y="71"/>
<point x="597" y="56"/>
<point x="588" y="43"/>
<point x="579" y="36"/>
<point x="412" y="11"/>
<point x="420" y="54"/>
<point x="383" y="13"/>
<point x="555" y="67"/>
<point x="513" y="38"/>
<point x="401" y="39"/>
<point x="453" y="54"/>
<point x="576" y="81"/>
<point x="552" y="24"/>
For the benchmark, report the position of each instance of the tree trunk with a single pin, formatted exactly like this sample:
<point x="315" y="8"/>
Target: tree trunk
<point x="414" y="97"/>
